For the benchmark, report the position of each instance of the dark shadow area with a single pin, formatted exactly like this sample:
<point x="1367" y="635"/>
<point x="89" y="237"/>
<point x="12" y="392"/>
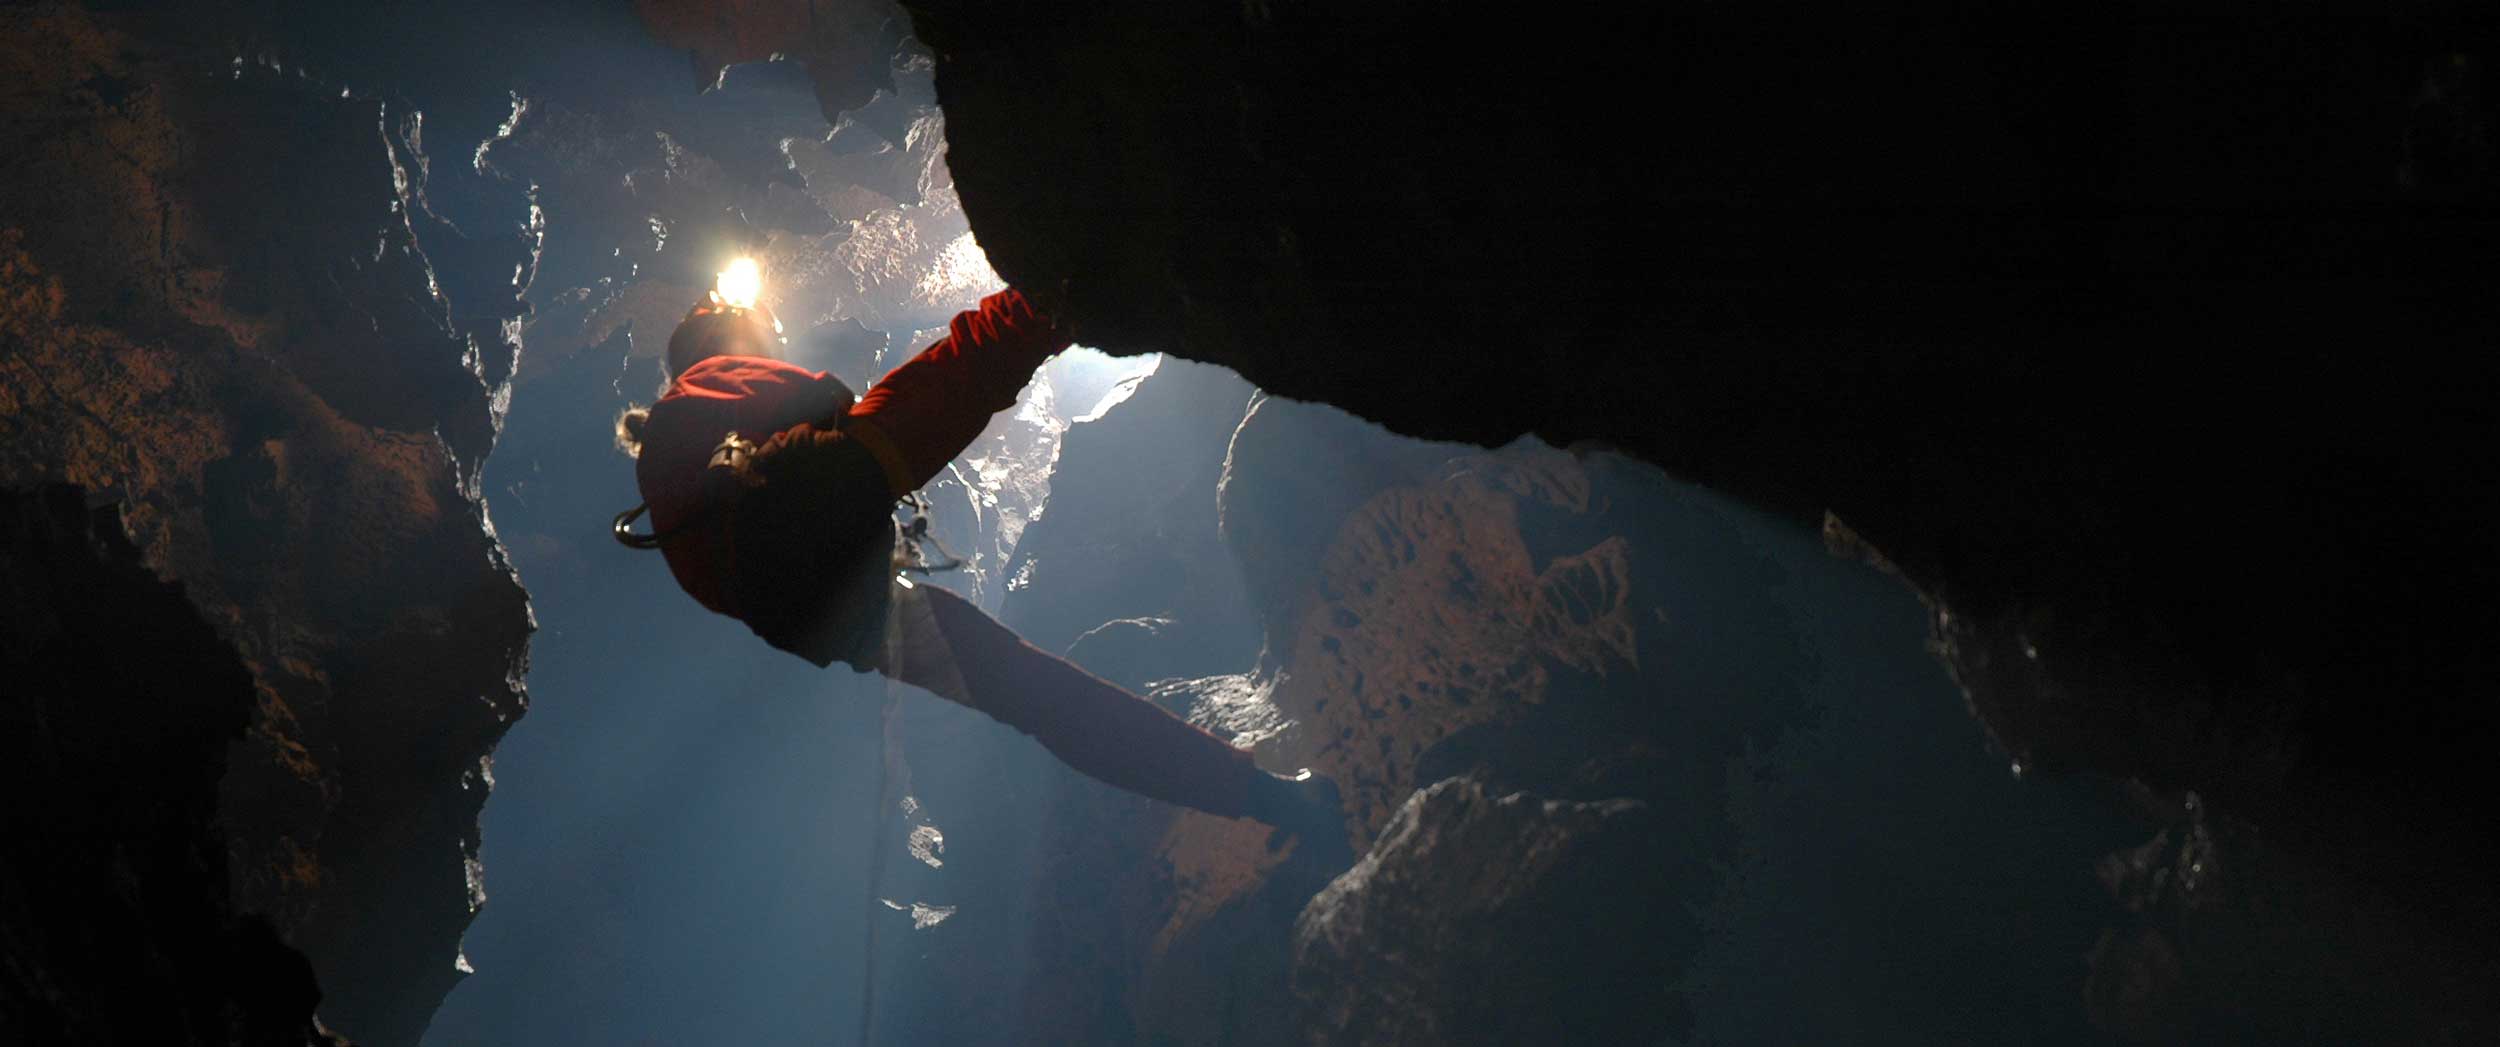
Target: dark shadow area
<point x="119" y="926"/>
<point x="2134" y="372"/>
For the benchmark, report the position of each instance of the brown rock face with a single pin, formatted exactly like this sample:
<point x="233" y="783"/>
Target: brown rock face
<point x="225" y="301"/>
<point x="1434" y="613"/>
<point x="1770" y="822"/>
<point x="1430" y="610"/>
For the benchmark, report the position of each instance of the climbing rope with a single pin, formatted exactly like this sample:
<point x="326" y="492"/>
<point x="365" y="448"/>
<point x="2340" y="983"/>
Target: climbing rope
<point x="889" y="753"/>
<point x="911" y="556"/>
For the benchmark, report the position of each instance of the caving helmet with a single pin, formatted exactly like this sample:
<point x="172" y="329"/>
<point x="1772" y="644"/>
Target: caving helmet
<point x="729" y="320"/>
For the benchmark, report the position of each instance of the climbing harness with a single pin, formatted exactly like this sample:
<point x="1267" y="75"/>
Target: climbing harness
<point x="731" y="460"/>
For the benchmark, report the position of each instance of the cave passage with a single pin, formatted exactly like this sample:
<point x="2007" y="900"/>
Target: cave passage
<point x="695" y="837"/>
<point x="319" y="321"/>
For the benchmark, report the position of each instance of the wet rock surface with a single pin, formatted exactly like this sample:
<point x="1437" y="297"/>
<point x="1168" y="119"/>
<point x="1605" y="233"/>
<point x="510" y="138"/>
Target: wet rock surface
<point x="228" y="306"/>
<point x="116" y="921"/>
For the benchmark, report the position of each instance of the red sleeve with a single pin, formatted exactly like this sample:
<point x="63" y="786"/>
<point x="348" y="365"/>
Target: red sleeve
<point x="924" y="413"/>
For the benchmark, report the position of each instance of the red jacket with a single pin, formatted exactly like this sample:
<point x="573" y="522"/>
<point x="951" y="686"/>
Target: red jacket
<point x="913" y="422"/>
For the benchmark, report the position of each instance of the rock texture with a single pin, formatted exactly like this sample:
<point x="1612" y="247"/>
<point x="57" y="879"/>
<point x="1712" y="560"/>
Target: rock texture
<point x="2027" y="326"/>
<point x="2147" y="352"/>
<point x="116" y="921"/>
<point x="1453" y="601"/>
<point x="1558" y="939"/>
<point x="227" y="304"/>
<point x="2150" y="351"/>
<point x="2021" y="333"/>
<point x="1629" y="646"/>
<point x="856" y="226"/>
<point x="1804" y="838"/>
<point x="844" y="44"/>
<point x="866" y="254"/>
<point x="2226" y="937"/>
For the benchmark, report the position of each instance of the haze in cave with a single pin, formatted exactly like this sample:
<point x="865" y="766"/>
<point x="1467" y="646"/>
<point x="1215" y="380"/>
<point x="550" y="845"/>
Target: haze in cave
<point x="1665" y="526"/>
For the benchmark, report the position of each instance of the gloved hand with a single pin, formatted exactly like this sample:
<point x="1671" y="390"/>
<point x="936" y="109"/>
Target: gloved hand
<point x="1308" y="807"/>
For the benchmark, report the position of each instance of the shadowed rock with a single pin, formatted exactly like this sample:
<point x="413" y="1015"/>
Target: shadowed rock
<point x="1517" y="920"/>
<point x="227" y="303"/>
<point x="2150" y="351"/>
<point x="116" y="923"/>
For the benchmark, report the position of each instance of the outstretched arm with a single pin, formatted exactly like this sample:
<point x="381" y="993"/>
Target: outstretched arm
<point x="924" y="413"/>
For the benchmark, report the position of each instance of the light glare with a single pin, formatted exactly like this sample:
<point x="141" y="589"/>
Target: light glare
<point x="741" y="284"/>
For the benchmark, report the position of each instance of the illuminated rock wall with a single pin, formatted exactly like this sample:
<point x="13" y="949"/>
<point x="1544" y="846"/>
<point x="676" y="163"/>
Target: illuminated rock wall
<point x="228" y="307"/>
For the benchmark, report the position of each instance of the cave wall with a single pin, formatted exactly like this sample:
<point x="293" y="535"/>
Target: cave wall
<point x="228" y="307"/>
<point x="649" y="881"/>
<point x="1733" y="795"/>
<point x="117" y="924"/>
<point x="1737" y="740"/>
<point x="2148" y="348"/>
<point x="2058" y="319"/>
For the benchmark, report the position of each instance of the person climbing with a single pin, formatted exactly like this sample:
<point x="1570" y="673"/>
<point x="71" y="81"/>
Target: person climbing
<point x="771" y="492"/>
